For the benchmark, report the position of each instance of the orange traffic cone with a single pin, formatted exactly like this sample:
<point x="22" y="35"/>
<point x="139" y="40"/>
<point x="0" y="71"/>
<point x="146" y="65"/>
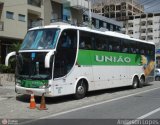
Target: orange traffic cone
<point x="43" y="103"/>
<point x="32" y="102"/>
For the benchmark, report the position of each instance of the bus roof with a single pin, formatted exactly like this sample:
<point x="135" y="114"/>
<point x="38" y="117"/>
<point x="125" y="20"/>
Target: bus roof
<point x="63" y="25"/>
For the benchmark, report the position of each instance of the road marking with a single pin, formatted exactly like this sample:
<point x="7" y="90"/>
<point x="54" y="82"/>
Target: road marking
<point x="142" y="117"/>
<point x="2" y="99"/>
<point x="99" y="103"/>
<point x="150" y="113"/>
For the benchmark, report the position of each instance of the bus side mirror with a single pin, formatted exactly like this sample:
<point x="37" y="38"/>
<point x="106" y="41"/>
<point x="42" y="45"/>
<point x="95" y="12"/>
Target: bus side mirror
<point x="47" y="59"/>
<point x="8" y="57"/>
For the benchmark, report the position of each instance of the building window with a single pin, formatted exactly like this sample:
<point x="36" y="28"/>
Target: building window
<point x="97" y="24"/>
<point x="66" y="12"/>
<point x="104" y="24"/>
<point x="21" y="17"/>
<point x="111" y="27"/>
<point x="9" y="15"/>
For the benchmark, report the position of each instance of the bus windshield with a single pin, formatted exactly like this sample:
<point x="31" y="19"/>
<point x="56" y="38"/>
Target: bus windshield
<point x="40" y="39"/>
<point x="30" y="65"/>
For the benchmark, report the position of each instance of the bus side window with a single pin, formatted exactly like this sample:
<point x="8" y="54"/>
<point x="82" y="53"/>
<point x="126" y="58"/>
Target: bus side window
<point x="137" y="51"/>
<point x="100" y="42"/>
<point x="85" y="40"/>
<point x="132" y="47"/>
<point x="82" y="45"/>
<point x="88" y="45"/>
<point x="110" y="48"/>
<point x="133" y="50"/>
<point x="125" y="46"/>
<point x="114" y="44"/>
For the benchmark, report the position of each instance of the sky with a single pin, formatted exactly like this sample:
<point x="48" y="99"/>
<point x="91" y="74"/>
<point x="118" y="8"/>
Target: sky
<point x="151" y="5"/>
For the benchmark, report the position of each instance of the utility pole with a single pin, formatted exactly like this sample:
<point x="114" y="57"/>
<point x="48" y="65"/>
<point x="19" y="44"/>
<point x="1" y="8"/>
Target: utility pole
<point x="90" y="14"/>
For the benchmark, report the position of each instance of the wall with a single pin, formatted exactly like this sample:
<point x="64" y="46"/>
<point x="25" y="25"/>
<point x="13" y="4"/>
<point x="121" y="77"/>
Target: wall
<point x="12" y="27"/>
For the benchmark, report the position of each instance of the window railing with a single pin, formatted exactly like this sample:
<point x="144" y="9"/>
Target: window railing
<point x="1" y="26"/>
<point x="34" y="23"/>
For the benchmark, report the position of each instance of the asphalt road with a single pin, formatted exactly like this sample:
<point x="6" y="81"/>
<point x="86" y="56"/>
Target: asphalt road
<point x="106" y="107"/>
<point x="141" y="105"/>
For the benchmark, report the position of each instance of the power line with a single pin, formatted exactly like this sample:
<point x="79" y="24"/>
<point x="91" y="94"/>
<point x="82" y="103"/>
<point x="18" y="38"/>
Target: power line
<point x="157" y="3"/>
<point x="146" y="2"/>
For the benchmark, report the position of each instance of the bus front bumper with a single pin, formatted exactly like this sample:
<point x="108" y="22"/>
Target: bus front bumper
<point x="35" y="91"/>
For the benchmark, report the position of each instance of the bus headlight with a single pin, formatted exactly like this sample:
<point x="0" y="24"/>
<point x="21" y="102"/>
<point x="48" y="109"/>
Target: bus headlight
<point x="45" y="86"/>
<point x="42" y="87"/>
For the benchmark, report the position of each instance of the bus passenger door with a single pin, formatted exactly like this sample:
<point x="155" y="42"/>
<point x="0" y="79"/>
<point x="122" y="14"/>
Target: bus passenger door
<point x="65" y="53"/>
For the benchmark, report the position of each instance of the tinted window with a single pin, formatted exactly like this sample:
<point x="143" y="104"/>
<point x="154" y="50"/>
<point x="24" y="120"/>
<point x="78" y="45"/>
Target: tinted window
<point x="125" y="46"/>
<point x="65" y="53"/>
<point x="86" y="40"/>
<point x="114" y="44"/>
<point x="132" y="47"/>
<point x="101" y="42"/>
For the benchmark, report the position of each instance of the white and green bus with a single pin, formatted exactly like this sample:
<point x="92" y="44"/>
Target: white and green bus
<point x="62" y="59"/>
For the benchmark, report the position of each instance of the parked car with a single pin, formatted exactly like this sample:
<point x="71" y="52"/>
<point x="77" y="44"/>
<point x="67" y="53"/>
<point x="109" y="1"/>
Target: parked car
<point x="157" y="75"/>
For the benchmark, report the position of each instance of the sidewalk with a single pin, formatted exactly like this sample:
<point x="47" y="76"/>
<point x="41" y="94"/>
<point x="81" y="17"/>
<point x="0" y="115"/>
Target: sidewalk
<point x="7" y="80"/>
<point x="7" y="86"/>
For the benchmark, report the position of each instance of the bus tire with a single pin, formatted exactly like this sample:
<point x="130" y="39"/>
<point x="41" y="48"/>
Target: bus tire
<point x="135" y="83"/>
<point x="157" y="78"/>
<point x="81" y="89"/>
<point x="141" y="82"/>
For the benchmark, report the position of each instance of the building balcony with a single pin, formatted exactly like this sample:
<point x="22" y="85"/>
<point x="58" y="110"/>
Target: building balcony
<point x="130" y="28"/>
<point x="34" y="23"/>
<point x="1" y="26"/>
<point x="35" y="3"/>
<point x="130" y="32"/>
<point x="143" y="27"/>
<point x="35" y="7"/>
<point x="123" y="29"/>
<point x="131" y="21"/>
<point x="143" y="19"/>
<point x="34" y="20"/>
<point x="150" y="37"/>
<point x="150" y="26"/>
<point x="150" y="18"/>
<point x="150" y="33"/>
<point x="61" y="1"/>
<point x="143" y="34"/>
<point x="143" y="23"/>
<point x="79" y="4"/>
<point x="143" y="37"/>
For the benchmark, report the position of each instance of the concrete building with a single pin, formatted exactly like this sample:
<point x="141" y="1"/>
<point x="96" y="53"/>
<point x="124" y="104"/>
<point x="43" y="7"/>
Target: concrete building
<point x="99" y="21"/>
<point x="17" y="16"/>
<point x="15" y="19"/>
<point x="118" y="9"/>
<point x="145" y="27"/>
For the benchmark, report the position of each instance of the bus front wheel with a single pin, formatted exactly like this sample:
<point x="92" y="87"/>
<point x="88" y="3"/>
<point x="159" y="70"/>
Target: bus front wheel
<point x="81" y="90"/>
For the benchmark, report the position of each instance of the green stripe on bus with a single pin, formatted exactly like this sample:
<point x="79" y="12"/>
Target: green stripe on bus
<point x="33" y="83"/>
<point x="92" y="57"/>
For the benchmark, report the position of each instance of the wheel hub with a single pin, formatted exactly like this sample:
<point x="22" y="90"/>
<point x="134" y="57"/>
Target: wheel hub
<point x="80" y="89"/>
